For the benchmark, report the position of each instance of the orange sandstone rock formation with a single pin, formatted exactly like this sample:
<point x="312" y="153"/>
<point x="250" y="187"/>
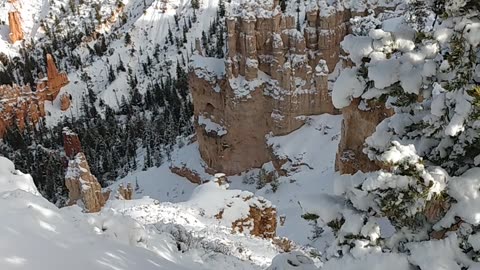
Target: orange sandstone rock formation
<point x="16" y="32"/>
<point x="65" y="102"/>
<point x="274" y="75"/>
<point x="71" y="143"/>
<point x="125" y="193"/>
<point x="83" y="187"/>
<point x="261" y="222"/>
<point x="20" y="105"/>
<point x="261" y="219"/>
<point x="50" y="86"/>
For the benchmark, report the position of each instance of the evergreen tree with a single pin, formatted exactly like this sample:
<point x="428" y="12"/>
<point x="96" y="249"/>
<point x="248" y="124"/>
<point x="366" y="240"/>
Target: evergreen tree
<point x="128" y="39"/>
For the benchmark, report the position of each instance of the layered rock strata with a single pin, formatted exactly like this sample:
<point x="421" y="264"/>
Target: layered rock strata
<point x="272" y="77"/>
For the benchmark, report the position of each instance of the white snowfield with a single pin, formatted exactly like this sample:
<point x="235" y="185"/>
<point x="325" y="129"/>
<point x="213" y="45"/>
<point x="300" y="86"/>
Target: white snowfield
<point x="36" y="235"/>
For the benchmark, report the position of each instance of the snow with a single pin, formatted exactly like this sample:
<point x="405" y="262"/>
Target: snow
<point x="438" y="255"/>
<point x="207" y="68"/>
<point x="11" y="179"/>
<point x="211" y="126"/>
<point x="383" y="72"/>
<point x="148" y="27"/>
<point x="357" y="47"/>
<point x="292" y="261"/>
<point x="38" y="235"/>
<point x="465" y="190"/>
<point x="346" y="87"/>
<point x="373" y="262"/>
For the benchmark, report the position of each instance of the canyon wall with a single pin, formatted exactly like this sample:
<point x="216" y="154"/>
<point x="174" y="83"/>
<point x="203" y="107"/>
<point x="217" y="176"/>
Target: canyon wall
<point x="21" y="105"/>
<point x="273" y="76"/>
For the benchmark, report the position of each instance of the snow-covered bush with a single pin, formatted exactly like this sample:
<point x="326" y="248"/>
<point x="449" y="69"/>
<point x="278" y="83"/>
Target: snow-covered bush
<point x="428" y="72"/>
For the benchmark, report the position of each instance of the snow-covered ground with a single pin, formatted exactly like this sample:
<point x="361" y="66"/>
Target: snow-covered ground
<point x="170" y="223"/>
<point x="310" y="154"/>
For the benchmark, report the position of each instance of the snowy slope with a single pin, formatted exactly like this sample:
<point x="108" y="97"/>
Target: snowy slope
<point x="37" y="235"/>
<point x="310" y="152"/>
<point x="147" y="31"/>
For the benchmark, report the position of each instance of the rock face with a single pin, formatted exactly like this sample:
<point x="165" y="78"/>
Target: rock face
<point x="125" y="193"/>
<point x="50" y="86"/>
<point x="71" y="143"/>
<point x="20" y="105"/>
<point x="65" y="101"/>
<point x="191" y="175"/>
<point x="261" y="222"/>
<point x="273" y="75"/>
<point x="16" y="32"/>
<point x="356" y="127"/>
<point x="83" y="187"/>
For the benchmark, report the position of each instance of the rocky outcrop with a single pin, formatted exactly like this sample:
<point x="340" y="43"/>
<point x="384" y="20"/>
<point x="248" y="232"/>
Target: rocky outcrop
<point x="261" y="221"/>
<point x="191" y="175"/>
<point x="71" y="143"/>
<point x="21" y="105"/>
<point x="357" y="125"/>
<point x="125" y="193"/>
<point x="51" y="85"/>
<point x="273" y="76"/>
<point x="241" y="210"/>
<point x="14" y="21"/>
<point x="83" y="187"/>
<point x="65" y="102"/>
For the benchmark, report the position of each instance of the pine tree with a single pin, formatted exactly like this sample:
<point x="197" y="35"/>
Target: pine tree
<point x="128" y="39"/>
<point x="111" y="74"/>
<point x="221" y="8"/>
<point x="195" y="4"/>
<point x="283" y="5"/>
